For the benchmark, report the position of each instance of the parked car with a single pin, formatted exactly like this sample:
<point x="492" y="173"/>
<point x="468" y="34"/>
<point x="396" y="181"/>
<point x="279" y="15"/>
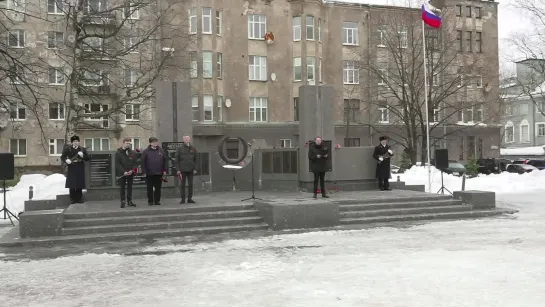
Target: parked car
<point x="396" y="169"/>
<point x="520" y="168"/>
<point x="488" y="166"/>
<point x="455" y="168"/>
<point x="539" y="164"/>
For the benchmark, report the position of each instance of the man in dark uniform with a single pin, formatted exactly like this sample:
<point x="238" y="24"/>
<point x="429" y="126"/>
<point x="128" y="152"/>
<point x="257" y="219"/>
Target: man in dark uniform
<point x="317" y="154"/>
<point x="154" y="165"/>
<point x="186" y="163"/>
<point x="74" y="156"/>
<point x="125" y="169"/>
<point x="382" y="154"/>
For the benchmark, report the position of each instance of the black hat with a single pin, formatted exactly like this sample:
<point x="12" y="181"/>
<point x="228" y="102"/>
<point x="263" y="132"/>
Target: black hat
<point x="382" y="138"/>
<point x="74" y="138"/>
<point x="153" y="139"/>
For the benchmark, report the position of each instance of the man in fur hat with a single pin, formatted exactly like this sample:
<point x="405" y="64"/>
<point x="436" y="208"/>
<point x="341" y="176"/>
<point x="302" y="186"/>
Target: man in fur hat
<point x="382" y="154"/>
<point x="74" y="156"/>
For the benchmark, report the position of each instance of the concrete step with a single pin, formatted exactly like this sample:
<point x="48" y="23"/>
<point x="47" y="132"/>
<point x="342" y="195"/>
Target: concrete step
<point x="422" y="217"/>
<point x="107" y="229"/>
<point x="156" y="210"/>
<point x="393" y="198"/>
<point x="404" y="211"/>
<point x="146" y="218"/>
<point x="395" y="204"/>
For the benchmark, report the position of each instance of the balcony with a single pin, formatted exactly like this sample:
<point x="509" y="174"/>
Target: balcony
<point x="98" y="55"/>
<point x="99" y="19"/>
<point x="97" y="90"/>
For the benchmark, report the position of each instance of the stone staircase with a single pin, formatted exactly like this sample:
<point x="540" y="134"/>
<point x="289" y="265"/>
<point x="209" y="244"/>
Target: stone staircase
<point x="406" y="209"/>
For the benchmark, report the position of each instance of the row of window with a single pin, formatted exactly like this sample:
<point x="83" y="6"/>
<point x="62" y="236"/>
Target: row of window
<point x="207" y="18"/>
<point x="468" y="11"/>
<point x="523" y="109"/>
<point x="524" y="128"/>
<point x="60" y="7"/>
<point x="473" y="43"/>
<point x="19" y="146"/>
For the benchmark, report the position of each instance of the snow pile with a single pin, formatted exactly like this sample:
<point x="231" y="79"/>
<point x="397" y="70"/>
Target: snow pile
<point x="45" y="187"/>
<point x="523" y="151"/>
<point x="500" y="183"/>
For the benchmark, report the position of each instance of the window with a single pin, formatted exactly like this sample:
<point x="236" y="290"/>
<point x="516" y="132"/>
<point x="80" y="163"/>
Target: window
<point x="231" y="148"/>
<point x="509" y="131"/>
<point x="219" y="62"/>
<point x="56" y="76"/>
<point x="17" y="112"/>
<point x="55" y="40"/>
<point x="403" y="33"/>
<point x="132" y="112"/>
<point x="351" y="73"/>
<point x="279" y="162"/>
<point x="93" y="6"/>
<point x="468" y="11"/>
<point x="258" y="68"/>
<point x="310" y="28"/>
<point x="478" y="42"/>
<point x="92" y="44"/>
<point x="479" y="78"/>
<point x="56" y="146"/>
<point x="432" y="39"/>
<point x="258" y="109"/>
<point x="206" y="20"/>
<point x="320" y="30"/>
<point x="384" y="115"/>
<point x="478" y="115"/>
<point x="207" y="65"/>
<point x="458" y="10"/>
<point x="524" y="132"/>
<point x="16" y="39"/>
<point x="97" y="144"/>
<point x="459" y="45"/>
<point x="311" y="69"/>
<point x="460" y="76"/>
<point x="131" y="11"/>
<point x="195" y="108"/>
<point x="382" y="32"/>
<point x="257" y="26"/>
<point x="18" y="147"/>
<point x="203" y="161"/>
<point x="94" y="108"/>
<point x="130" y="43"/>
<point x="382" y="76"/>
<point x="56" y="111"/>
<point x="478" y="13"/>
<point x="220" y="111"/>
<point x="465" y="115"/>
<point x="297" y="69"/>
<point x="540" y="129"/>
<point x="218" y="22"/>
<point x="285" y="143"/>
<point x="469" y="40"/>
<point x="131" y="77"/>
<point x="436" y="116"/>
<point x="192" y="20"/>
<point x="350" y="33"/>
<point x="320" y="70"/>
<point x="351" y="110"/>
<point x="55" y="6"/>
<point x="208" y="107"/>
<point x="296" y="28"/>
<point x="135" y="143"/>
<point x="194" y="66"/>
<point x="296" y="109"/>
<point x="351" y="142"/>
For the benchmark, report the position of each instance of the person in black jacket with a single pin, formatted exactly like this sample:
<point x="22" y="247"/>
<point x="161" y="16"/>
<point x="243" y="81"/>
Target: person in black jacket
<point x="75" y="156"/>
<point x="382" y="154"/>
<point x="125" y="169"/>
<point x="186" y="163"/>
<point x="317" y="154"/>
<point x="154" y="165"/>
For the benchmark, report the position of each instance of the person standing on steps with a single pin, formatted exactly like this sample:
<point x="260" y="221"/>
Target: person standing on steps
<point x="382" y="154"/>
<point x="186" y="163"/>
<point x="154" y="165"/>
<point x="125" y="169"/>
<point x="75" y="156"/>
<point x="318" y="154"/>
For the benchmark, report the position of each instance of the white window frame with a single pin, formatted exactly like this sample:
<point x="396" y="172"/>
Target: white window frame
<point x="540" y="129"/>
<point x="436" y="116"/>
<point x="194" y="62"/>
<point x="460" y="75"/>
<point x="383" y="76"/>
<point x="54" y="147"/>
<point x="257" y="105"/>
<point x="133" y="112"/>
<point x="285" y="143"/>
<point x="219" y="101"/>
<point x="219" y="22"/>
<point x="384" y="114"/>
<point x="522" y="124"/>
<point x="85" y="79"/>
<point x="17" y="6"/>
<point x="105" y="121"/>
<point x="18" y="109"/>
<point x="403" y="33"/>
<point x="259" y="22"/>
<point x="130" y="75"/>
<point x="89" y="44"/>
<point x="311" y="70"/>
<point x="351" y="73"/>
<point x="309" y="28"/>
<point x="130" y="45"/>
<point x="207" y="64"/>
<point x="192" y="16"/>
<point x="59" y="76"/>
<point x="18" y="153"/>
<point x="206" y="20"/>
<point x="296" y="28"/>
<point x="219" y="65"/>
<point x="463" y="117"/>
<point x="480" y="116"/>
<point x="16" y="34"/>
<point x="509" y="125"/>
<point x="61" y="111"/>
<point x="195" y="108"/>
<point x="382" y="35"/>
<point x="348" y="28"/>
<point x="320" y="70"/>
<point x="58" y="6"/>
<point x="135" y="14"/>
<point x="133" y="142"/>
<point x="257" y="68"/>
<point x="88" y="5"/>
<point x="479" y="77"/>
<point x="101" y="142"/>
<point x="52" y="36"/>
<point x="208" y="106"/>
<point x="297" y="63"/>
<point x="319" y="30"/>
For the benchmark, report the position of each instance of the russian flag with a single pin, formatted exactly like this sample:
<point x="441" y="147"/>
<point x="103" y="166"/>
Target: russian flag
<point x="429" y="17"/>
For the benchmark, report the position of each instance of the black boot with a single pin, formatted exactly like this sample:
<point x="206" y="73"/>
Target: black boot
<point x="130" y="203"/>
<point x="315" y="195"/>
<point x="190" y="201"/>
<point x="325" y="196"/>
<point x="122" y="204"/>
<point x="157" y="203"/>
<point x="182" y="201"/>
<point x="150" y="203"/>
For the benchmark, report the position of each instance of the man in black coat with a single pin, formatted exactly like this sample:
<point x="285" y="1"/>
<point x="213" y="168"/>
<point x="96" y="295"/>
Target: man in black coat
<point x="125" y="169"/>
<point x="186" y="164"/>
<point x="382" y="154"/>
<point x="154" y="165"/>
<point x="317" y="154"/>
<point x="75" y="156"/>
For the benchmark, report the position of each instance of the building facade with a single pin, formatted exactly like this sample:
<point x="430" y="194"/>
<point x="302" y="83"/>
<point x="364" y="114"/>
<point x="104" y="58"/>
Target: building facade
<point x="246" y="85"/>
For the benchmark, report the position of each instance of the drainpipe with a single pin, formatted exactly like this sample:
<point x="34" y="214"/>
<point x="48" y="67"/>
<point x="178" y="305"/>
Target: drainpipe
<point x="369" y="34"/>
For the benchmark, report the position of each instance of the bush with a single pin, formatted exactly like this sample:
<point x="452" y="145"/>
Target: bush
<point x="16" y="178"/>
<point x="405" y="161"/>
<point x="472" y="168"/>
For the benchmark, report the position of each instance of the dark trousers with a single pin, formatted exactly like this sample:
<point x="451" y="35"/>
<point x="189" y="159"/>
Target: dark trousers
<point x="383" y="183"/>
<point x="154" y="182"/>
<point x="319" y="176"/>
<point x="187" y="176"/>
<point x="125" y="183"/>
<point x="76" y="195"/>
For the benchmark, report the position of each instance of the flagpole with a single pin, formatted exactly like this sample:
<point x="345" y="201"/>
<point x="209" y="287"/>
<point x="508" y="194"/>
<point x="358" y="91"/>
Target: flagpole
<point x="426" y="104"/>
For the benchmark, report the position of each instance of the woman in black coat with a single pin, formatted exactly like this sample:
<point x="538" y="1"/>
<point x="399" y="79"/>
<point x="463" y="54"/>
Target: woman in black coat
<point x="75" y="156"/>
<point x="317" y="154"/>
<point x="382" y="154"/>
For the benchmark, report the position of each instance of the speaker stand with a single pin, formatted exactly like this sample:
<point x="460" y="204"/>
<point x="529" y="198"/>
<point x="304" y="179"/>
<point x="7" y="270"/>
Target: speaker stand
<point x="443" y="189"/>
<point x="253" y="198"/>
<point x="6" y="211"/>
